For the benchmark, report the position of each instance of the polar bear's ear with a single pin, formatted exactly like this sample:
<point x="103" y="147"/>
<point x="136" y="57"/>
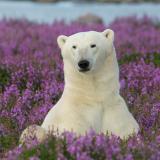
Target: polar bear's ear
<point x="108" y="33"/>
<point x="61" y="40"/>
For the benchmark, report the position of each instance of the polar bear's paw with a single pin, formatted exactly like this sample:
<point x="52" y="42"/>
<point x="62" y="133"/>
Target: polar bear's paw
<point x="33" y="132"/>
<point x="129" y="131"/>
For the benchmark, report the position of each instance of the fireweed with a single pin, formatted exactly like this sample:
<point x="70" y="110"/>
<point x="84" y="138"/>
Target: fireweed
<point x="31" y="82"/>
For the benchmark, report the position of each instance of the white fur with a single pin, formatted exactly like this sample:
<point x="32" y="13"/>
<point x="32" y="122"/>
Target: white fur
<point x="91" y="99"/>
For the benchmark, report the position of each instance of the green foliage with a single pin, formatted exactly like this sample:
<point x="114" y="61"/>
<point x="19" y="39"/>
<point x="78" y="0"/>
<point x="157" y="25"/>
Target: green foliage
<point x="43" y="151"/>
<point x="7" y="122"/>
<point x="28" y="153"/>
<point x="4" y="77"/>
<point x="154" y="58"/>
<point x="129" y="58"/>
<point x="8" y="141"/>
<point x="64" y="148"/>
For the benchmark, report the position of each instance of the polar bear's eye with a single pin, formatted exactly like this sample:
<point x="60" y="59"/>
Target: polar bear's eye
<point x="93" y="45"/>
<point x="74" y="47"/>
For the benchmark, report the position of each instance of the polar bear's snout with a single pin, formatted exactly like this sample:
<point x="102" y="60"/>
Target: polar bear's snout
<point x="84" y="65"/>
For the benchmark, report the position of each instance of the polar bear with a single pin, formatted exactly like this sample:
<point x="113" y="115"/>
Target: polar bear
<point x="91" y="98"/>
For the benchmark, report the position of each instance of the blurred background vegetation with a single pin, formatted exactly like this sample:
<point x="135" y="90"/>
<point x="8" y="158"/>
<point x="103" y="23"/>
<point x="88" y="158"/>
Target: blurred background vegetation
<point x="110" y="1"/>
<point x="83" y="11"/>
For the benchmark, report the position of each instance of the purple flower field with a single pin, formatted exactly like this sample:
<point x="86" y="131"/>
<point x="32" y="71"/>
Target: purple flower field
<point x="31" y="82"/>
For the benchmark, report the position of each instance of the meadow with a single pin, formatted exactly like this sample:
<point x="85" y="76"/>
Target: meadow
<point x="32" y="81"/>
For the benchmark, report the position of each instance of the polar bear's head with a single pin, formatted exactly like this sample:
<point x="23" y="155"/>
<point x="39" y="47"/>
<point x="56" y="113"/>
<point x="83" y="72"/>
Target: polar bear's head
<point x="86" y="51"/>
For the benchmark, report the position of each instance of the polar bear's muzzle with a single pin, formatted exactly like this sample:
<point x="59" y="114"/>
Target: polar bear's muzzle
<point x="84" y="65"/>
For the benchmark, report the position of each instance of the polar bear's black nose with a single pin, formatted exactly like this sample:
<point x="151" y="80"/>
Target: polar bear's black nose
<point x="83" y="65"/>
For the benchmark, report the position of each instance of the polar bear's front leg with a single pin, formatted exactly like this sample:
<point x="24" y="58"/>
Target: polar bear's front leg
<point x="119" y="121"/>
<point x="58" y="121"/>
